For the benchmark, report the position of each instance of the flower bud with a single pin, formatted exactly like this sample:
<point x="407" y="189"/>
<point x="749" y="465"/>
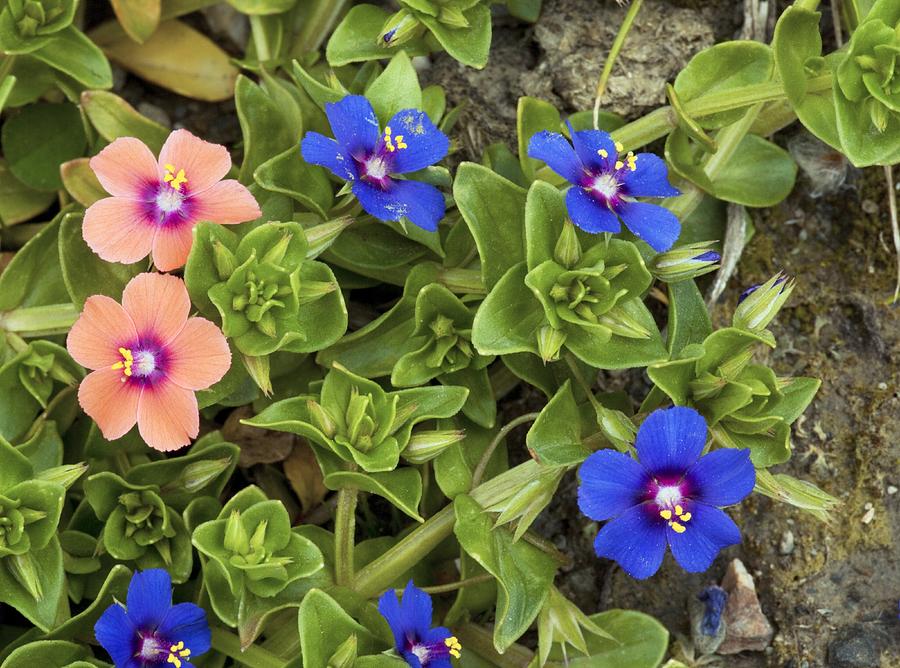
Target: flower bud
<point x="759" y="304"/>
<point x="531" y="498"/>
<point x="65" y="475"/>
<point x="277" y="252"/>
<point x="320" y="237"/>
<point x="400" y="28"/>
<point x="24" y="570"/>
<point x="426" y="445"/>
<point x="561" y="621"/>
<point x="685" y="262"/>
<point x="616" y="427"/>
<point x="345" y="655"/>
<point x="224" y="260"/>
<point x="621" y="323"/>
<point x="236" y="539"/>
<point x="310" y="291"/>
<point x="453" y="17"/>
<point x="568" y="249"/>
<point x="198" y="475"/>
<point x="549" y="342"/>
<point x="321" y="419"/>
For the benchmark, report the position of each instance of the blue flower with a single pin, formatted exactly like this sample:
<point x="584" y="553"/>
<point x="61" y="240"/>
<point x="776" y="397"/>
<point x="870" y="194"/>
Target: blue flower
<point x="714" y="599"/>
<point x="671" y="495"/>
<point x="370" y="159"/>
<point x="410" y="622"/>
<point x="605" y="185"/>
<point x="150" y="632"/>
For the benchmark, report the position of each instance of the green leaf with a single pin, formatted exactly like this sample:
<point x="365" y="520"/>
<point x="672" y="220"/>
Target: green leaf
<point x="395" y="89"/>
<point x="638" y="641"/>
<point x="84" y="273"/>
<point x="267" y="124"/>
<point x="620" y="352"/>
<point x="289" y="174"/>
<point x="138" y="18"/>
<point x="39" y="139"/>
<point x="493" y="208"/>
<point x="688" y="317"/>
<point x="508" y="320"/>
<point x="356" y="38"/>
<point x="324" y="626"/>
<point x="555" y="437"/>
<point x="402" y="487"/>
<point x="524" y="573"/>
<point x="48" y="653"/>
<point x="721" y="68"/>
<point x="760" y="174"/>
<point x="34" y="277"/>
<point x="72" y="53"/>
<point x="52" y="607"/>
<point x="471" y="45"/>
<point x="19" y="202"/>
<point x="545" y="214"/>
<point x="454" y="467"/>
<point x="532" y="116"/>
<point x="113" y="117"/>
<point x="262" y="7"/>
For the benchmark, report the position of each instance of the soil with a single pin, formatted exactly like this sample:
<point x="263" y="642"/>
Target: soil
<point x="833" y="597"/>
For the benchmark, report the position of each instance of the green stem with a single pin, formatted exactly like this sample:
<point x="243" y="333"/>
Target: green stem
<point x="260" y="40"/>
<point x="228" y="644"/>
<point x="39" y="320"/>
<point x="582" y="383"/>
<point x="810" y="5"/>
<point x="377" y="576"/>
<point x="479" y="640"/>
<point x="453" y="586"/>
<point x="345" y="535"/>
<point x="6" y="65"/>
<point x="463" y="281"/>
<point x="478" y="474"/>
<point x="317" y="25"/>
<point x="617" y="45"/>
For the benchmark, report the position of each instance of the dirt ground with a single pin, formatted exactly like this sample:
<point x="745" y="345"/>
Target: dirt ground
<point x="832" y="595"/>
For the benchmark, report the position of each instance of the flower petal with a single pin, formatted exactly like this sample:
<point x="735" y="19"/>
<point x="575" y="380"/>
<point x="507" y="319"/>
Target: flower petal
<point x="722" y="477"/>
<point x="557" y="152"/>
<point x="126" y="168"/>
<point x="103" y="328"/>
<point x="111" y="403"/>
<point x="611" y="483"/>
<point x="389" y="607"/>
<point x="198" y="356"/>
<point x="654" y="224"/>
<point x="670" y="440"/>
<point x="118" y="229"/>
<point x="421" y="203"/>
<point x="203" y="162"/>
<point x="636" y="540"/>
<point x="415" y="611"/>
<point x="589" y="214"/>
<point x="172" y="245"/>
<point x="168" y="417"/>
<point x="226" y="203"/>
<point x="318" y="149"/>
<point x="589" y="143"/>
<point x="425" y="144"/>
<point x="650" y="178"/>
<point x="186" y="622"/>
<point x="354" y="124"/>
<point x="709" y="531"/>
<point x="116" y="633"/>
<point x="149" y="598"/>
<point x="158" y="304"/>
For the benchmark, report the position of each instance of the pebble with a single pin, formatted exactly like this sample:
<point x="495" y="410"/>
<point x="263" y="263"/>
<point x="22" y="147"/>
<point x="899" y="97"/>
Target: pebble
<point x="154" y="113"/>
<point x="857" y="646"/>
<point x="869" y="514"/>
<point x="786" y="546"/>
<point x="891" y="490"/>
<point x="747" y="628"/>
<point x="869" y="206"/>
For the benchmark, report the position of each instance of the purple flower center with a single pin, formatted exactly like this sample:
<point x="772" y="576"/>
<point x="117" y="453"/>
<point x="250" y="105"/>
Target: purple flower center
<point x="151" y="648"/>
<point x="670" y="501"/>
<point x="143" y="363"/>
<point x="166" y="205"/>
<point x="426" y="652"/>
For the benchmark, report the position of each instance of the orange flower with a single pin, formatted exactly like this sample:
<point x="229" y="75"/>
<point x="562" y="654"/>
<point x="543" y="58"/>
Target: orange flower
<point x="155" y="205"/>
<point x="149" y="359"/>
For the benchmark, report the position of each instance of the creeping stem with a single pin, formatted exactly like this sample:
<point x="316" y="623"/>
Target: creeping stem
<point x="617" y="44"/>
<point x="254" y="656"/>
<point x="39" y="320"/>
<point x="478" y="474"/>
<point x="344" y="534"/>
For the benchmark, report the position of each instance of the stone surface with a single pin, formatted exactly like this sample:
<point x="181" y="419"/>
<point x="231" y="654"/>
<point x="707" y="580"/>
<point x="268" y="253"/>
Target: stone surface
<point x="858" y="646"/>
<point x="747" y="628"/>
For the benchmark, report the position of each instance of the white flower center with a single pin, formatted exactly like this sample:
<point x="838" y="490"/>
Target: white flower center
<point x="605" y="185"/>
<point x="169" y="200"/>
<point x="421" y="653"/>
<point x="668" y="497"/>
<point x="376" y="168"/>
<point x="144" y="363"/>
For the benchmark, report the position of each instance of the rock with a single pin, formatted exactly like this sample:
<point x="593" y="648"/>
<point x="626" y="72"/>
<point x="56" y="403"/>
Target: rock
<point x="154" y="113"/>
<point x="747" y="628"/>
<point x="857" y="646"/>
<point x="786" y="546"/>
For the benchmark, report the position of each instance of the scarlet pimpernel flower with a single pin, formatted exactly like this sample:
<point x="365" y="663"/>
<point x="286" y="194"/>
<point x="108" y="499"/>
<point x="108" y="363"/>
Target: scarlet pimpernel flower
<point x="414" y="639"/>
<point x="606" y="183"/>
<point x="370" y="159"/>
<point x="155" y="204"/>
<point x="148" y="359"/>
<point x="150" y="632"/>
<point x="669" y="495"/>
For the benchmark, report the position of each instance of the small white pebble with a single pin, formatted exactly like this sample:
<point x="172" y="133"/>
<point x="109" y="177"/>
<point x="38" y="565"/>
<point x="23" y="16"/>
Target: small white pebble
<point x="869" y="516"/>
<point x="882" y="386"/>
<point x="891" y="490"/>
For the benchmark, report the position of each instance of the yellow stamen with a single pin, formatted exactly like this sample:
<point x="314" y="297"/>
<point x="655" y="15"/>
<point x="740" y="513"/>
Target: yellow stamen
<point x="603" y="153"/>
<point x="126" y="362"/>
<point x="177" y="652"/>
<point x="387" y="139"/>
<point x="400" y="142"/>
<point x="172" y="179"/>
<point x="665" y="514"/>
<point x="631" y="158"/>
<point x="686" y="517"/>
<point x="453" y="643"/>
<point x="678" y="509"/>
<point x="619" y="147"/>
<point x="676" y="527"/>
<point x="619" y="164"/>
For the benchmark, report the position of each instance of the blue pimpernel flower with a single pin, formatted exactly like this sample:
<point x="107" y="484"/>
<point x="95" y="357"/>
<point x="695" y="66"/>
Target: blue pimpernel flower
<point x="414" y="639"/>
<point x="605" y="185"/>
<point x="150" y="632"/>
<point x="370" y="159"/>
<point x="670" y="495"/>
